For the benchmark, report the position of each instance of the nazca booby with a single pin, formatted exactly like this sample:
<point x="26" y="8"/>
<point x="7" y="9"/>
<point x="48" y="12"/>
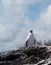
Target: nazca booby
<point x="30" y="39"/>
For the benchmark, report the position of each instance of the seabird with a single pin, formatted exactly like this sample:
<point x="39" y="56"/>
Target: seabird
<point x="30" y="39"/>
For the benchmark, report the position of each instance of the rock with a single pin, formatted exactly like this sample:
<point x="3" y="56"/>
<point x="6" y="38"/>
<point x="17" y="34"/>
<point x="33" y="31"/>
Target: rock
<point x="36" y="51"/>
<point x="45" y="62"/>
<point x="37" y="55"/>
<point x="5" y="63"/>
<point x="20" y="60"/>
<point x="10" y="56"/>
<point x="31" y="60"/>
<point x="41" y="62"/>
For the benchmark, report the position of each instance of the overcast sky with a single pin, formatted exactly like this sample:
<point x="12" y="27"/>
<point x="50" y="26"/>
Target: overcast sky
<point x="18" y="16"/>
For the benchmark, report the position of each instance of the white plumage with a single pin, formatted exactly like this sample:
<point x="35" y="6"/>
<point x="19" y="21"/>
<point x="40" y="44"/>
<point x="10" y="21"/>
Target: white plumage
<point x="30" y="39"/>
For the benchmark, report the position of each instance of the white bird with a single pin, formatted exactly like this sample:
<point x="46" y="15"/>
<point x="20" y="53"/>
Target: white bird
<point x="30" y="39"/>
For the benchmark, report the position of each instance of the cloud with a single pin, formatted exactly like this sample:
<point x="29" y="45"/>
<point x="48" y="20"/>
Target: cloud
<point x="43" y="25"/>
<point x="16" y="6"/>
<point x="14" y="23"/>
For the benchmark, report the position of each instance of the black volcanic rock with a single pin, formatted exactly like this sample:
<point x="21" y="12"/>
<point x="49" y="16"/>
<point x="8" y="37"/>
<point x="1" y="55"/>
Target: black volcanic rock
<point x="5" y="62"/>
<point x="37" y="51"/>
<point x="38" y="55"/>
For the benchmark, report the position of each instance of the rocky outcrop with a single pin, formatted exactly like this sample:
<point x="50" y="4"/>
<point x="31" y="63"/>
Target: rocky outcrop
<point x="37" y="55"/>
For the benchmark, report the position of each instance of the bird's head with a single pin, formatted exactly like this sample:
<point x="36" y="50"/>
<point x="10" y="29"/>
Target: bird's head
<point x="30" y="30"/>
